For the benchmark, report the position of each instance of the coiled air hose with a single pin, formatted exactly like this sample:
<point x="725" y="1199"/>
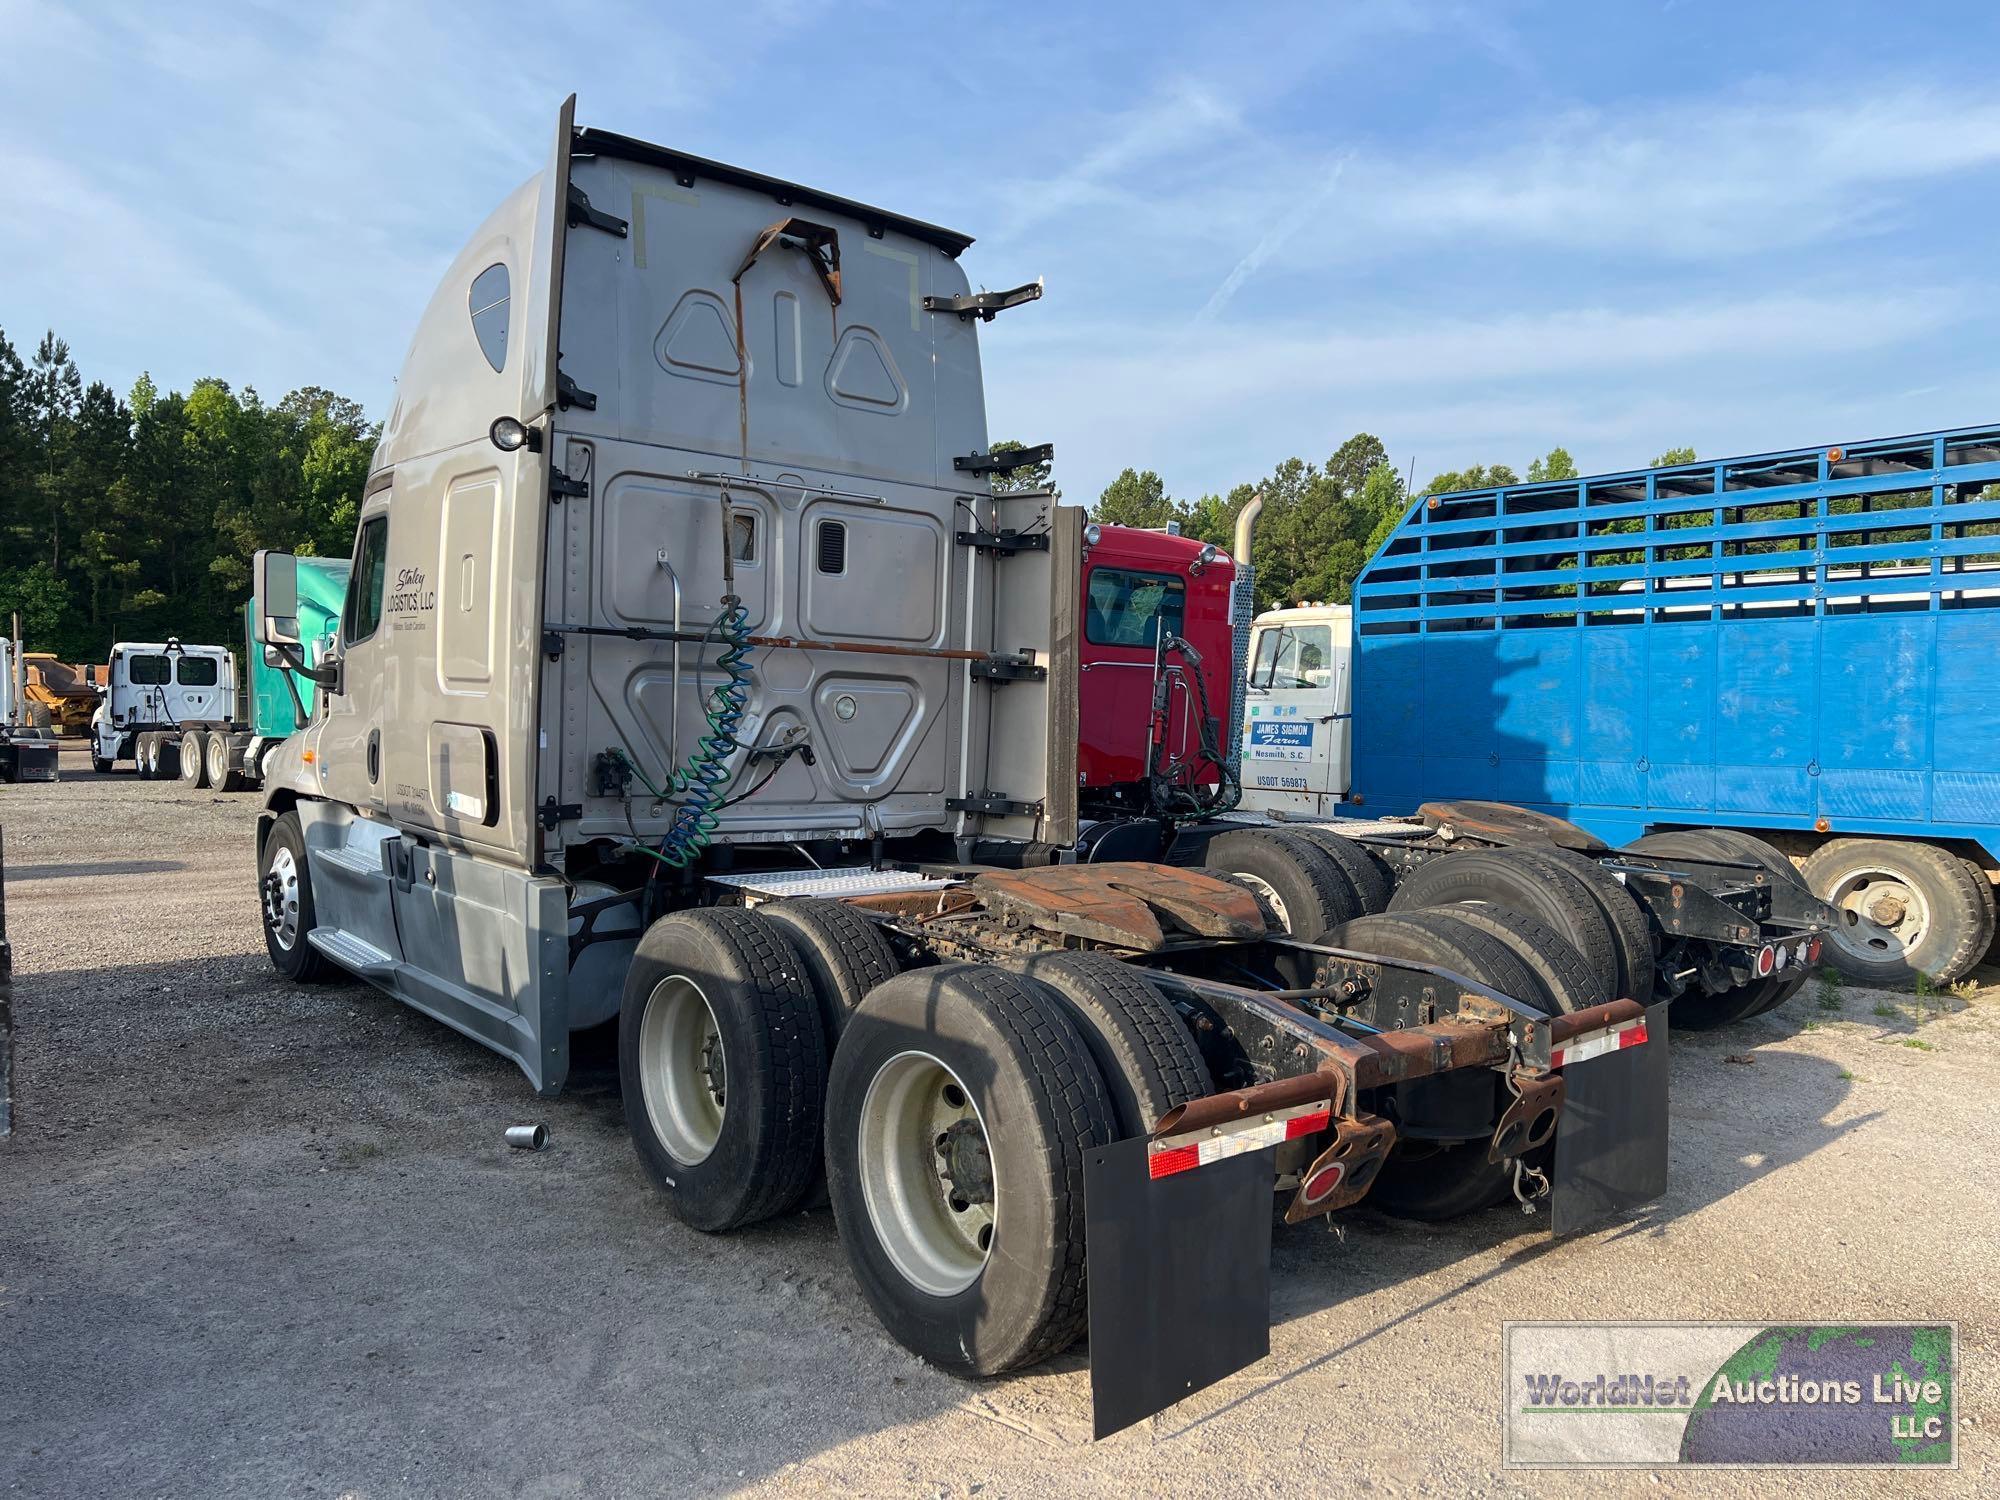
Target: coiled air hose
<point x="700" y="780"/>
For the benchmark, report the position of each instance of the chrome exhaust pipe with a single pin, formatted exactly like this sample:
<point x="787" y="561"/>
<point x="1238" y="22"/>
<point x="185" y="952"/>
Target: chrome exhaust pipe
<point x="1242" y="610"/>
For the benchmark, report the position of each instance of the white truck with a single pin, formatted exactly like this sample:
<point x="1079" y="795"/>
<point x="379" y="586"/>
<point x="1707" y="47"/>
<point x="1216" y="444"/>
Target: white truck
<point x="693" y="675"/>
<point x="153" y="689"/>
<point x="27" y="750"/>
<point x="1295" y="742"/>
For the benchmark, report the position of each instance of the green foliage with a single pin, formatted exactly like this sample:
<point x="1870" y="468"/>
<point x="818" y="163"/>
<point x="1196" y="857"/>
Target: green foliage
<point x="1673" y="456"/>
<point x="1319" y="524"/>
<point x="135" y="518"/>
<point x="1033" y="477"/>
<point x="1135" y="499"/>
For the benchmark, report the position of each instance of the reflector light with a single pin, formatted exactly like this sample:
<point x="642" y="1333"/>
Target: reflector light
<point x="1812" y="951"/>
<point x="1322" y="1183"/>
<point x="1597" y="1043"/>
<point x="1767" y="960"/>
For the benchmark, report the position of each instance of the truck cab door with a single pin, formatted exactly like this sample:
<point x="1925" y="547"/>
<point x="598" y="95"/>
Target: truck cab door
<point x="1295" y="720"/>
<point x="347" y="744"/>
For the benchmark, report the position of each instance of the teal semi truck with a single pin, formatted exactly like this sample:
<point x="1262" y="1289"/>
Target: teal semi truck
<point x="228" y="754"/>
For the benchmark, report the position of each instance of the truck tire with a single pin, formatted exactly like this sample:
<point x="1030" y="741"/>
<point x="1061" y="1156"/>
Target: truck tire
<point x="1706" y="1010"/>
<point x="1363" y="867"/>
<point x="192" y="749"/>
<point x="1931" y="914"/>
<point x="989" y="1064"/>
<point x="285" y="898"/>
<point x="98" y="764"/>
<point x="1550" y="894"/>
<point x="1144" y="1052"/>
<point x="1272" y="923"/>
<point x="1423" y="1180"/>
<point x="845" y="955"/>
<point x="722" y="1063"/>
<point x="1305" y="888"/>
<point x="166" y="756"/>
<point x="140" y="749"/>
<point x="1435" y="936"/>
<point x="220" y="776"/>
<point x="1566" y="981"/>
<point x="1631" y="932"/>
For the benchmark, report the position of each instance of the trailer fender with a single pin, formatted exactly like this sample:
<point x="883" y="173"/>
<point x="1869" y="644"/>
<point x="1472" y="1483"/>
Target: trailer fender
<point x="1611" y="1145"/>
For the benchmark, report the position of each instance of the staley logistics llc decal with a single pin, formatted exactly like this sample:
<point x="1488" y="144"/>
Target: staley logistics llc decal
<point x="411" y="600"/>
<point x="1731" y="1395"/>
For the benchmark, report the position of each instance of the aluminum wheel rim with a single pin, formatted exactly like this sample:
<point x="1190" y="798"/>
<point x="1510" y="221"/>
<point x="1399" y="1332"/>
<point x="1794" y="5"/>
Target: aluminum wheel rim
<point x="218" y="760"/>
<point x="1863" y="893"/>
<point x="1264" y="889"/>
<point x="937" y="1235"/>
<point x="281" y="898"/>
<point x="191" y="773"/>
<point x="682" y="1072"/>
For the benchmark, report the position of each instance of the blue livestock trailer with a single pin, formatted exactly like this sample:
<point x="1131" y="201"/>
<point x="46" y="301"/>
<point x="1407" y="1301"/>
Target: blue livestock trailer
<point x="1803" y="644"/>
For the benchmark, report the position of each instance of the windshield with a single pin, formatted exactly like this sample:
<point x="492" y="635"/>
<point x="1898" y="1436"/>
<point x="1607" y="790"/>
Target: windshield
<point x="1290" y="657"/>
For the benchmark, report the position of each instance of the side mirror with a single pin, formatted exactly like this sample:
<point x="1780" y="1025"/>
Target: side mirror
<point x="275" y="580"/>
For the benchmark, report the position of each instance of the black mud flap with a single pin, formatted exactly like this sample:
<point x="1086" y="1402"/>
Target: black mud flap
<point x="1180" y="1278"/>
<point x="1611" y="1148"/>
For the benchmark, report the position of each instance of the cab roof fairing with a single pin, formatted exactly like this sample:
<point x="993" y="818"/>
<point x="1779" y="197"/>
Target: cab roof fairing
<point x="690" y="169"/>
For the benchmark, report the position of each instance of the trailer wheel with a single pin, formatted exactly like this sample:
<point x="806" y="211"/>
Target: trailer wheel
<point x="192" y="748"/>
<point x="845" y="955"/>
<point x="1547" y="892"/>
<point x="960" y="1109"/>
<point x="1363" y="867"/>
<point x="1912" y="908"/>
<point x="722" y="1062"/>
<point x="1426" y="1180"/>
<point x="1566" y="981"/>
<point x="1631" y="933"/>
<point x="286" y="899"/>
<point x="1305" y="888"/>
<point x="1143" y="1050"/>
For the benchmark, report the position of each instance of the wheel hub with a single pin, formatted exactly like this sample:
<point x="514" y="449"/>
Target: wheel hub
<point x="280" y="887"/>
<point x="682" y="1069"/>
<point x="927" y="1174"/>
<point x="1887" y="916"/>
<point x="967" y="1166"/>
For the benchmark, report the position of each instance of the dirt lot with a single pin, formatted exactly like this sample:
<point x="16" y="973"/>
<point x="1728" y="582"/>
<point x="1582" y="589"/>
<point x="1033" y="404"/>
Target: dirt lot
<point x="257" y="1240"/>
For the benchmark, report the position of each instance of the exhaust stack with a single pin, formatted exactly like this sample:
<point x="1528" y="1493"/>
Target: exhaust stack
<point x="1242" y="610"/>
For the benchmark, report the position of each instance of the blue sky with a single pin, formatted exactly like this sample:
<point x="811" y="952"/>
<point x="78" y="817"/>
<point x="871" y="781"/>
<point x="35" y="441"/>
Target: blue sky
<point x="1476" y="230"/>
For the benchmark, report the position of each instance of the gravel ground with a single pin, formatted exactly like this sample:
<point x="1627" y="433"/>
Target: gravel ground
<point x="258" y="1239"/>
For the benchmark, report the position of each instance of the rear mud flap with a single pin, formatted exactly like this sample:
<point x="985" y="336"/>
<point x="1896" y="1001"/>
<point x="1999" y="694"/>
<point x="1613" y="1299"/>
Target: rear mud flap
<point x="1180" y="1277"/>
<point x="1611" y="1148"/>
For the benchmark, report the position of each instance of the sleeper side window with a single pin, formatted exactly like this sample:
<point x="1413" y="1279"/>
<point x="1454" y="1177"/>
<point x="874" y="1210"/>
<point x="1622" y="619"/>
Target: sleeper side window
<point x="147" y="670"/>
<point x="195" y="671"/>
<point x="364" y="587"/>
<point x="488" y="305"/>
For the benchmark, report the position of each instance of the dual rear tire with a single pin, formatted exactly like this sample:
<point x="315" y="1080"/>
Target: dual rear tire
<point x="952" y="1122"/>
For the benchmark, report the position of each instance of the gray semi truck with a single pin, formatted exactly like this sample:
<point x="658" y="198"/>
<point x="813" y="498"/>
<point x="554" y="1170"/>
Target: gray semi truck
<point x="694" y="676"/>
